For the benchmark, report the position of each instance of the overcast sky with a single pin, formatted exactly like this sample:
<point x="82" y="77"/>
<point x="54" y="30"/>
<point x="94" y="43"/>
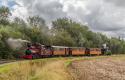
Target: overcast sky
<point x="106" y="16"/>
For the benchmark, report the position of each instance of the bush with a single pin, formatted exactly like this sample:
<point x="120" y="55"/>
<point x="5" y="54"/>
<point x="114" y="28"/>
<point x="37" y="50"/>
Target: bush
<point x="108" y="52"/>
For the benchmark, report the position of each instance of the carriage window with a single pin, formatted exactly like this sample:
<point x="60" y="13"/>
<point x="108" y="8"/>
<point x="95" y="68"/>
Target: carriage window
<point x="91" y="49"/>
<point x="74" y="49"/>
<point x="97" y="49"/>
<point x="80" y="49"/>
<point x="56" y="48"/>
<point x="59" y="49"/>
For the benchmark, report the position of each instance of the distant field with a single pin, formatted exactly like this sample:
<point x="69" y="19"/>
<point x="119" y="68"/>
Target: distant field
<point x="66" y="68"/>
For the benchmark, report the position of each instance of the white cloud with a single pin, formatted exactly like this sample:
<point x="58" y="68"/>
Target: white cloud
<point x="20" y="11"/>
<point x="106" y="16"/>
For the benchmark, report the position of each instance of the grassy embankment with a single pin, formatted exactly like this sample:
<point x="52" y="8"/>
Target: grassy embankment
<point x="43" y="69"/>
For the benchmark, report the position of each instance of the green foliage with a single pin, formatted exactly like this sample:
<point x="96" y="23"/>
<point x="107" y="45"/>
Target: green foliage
<point x="5" y="52"/>
<point x="108" y="52"/>
<point x="36" y="21"/>
<point x="62" y="38"/>
<point x="4" y="14"/>
<point x="75" y="30"/>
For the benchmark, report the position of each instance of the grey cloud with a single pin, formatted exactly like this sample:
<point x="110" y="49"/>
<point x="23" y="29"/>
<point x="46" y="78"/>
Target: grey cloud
<point x="120" y="3"/>
<point x="49" y="10"/>
<point x="105" y="16"/>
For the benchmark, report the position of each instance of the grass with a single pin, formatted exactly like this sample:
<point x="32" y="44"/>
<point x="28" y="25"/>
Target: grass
<point x="43" y="69"/>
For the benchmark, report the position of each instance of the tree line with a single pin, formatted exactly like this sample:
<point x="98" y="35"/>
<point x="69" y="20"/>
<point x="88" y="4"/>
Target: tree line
<point x="63" y="32"/>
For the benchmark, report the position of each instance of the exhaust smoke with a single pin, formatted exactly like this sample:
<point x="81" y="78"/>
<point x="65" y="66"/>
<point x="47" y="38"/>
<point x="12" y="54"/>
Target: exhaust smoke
<point x="16" y="43"/>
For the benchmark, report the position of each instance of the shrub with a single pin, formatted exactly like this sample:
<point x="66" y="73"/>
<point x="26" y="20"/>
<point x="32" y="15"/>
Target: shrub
<point x="108" y="52"/>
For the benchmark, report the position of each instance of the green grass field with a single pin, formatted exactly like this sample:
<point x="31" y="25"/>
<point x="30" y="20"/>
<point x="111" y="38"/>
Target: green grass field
<point x="43" y="69"/>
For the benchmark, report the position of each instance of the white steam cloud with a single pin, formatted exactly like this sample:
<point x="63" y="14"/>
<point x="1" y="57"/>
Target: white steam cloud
<point x="16" y="43"/>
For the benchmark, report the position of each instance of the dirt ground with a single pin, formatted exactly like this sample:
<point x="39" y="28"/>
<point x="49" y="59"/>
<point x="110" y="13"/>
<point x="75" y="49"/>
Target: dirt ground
<point x="100" y="69"/>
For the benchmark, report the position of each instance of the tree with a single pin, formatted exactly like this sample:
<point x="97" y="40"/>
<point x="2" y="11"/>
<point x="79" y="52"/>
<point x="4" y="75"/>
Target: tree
<point x="38" y="31"/>
<point x="19" y="22"/>
<point x="76" y="30"/>
<point x="61" y="23"/>
<point x="36" y="21"/>
<point x="4" y="14"/>
<point x="62" y="38"/>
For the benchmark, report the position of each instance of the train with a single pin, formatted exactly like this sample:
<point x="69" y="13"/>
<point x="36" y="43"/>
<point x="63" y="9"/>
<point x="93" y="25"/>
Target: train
<point x="41" y="51"/>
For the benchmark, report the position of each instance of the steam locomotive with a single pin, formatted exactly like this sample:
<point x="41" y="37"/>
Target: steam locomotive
<point x="40" y="51"/>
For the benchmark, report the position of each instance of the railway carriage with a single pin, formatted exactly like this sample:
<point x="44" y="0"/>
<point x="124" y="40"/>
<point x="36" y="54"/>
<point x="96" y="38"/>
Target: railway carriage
<point x="60" y="51"/>
<point x="95" y="51"/>
<point x="76" y="51"/>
